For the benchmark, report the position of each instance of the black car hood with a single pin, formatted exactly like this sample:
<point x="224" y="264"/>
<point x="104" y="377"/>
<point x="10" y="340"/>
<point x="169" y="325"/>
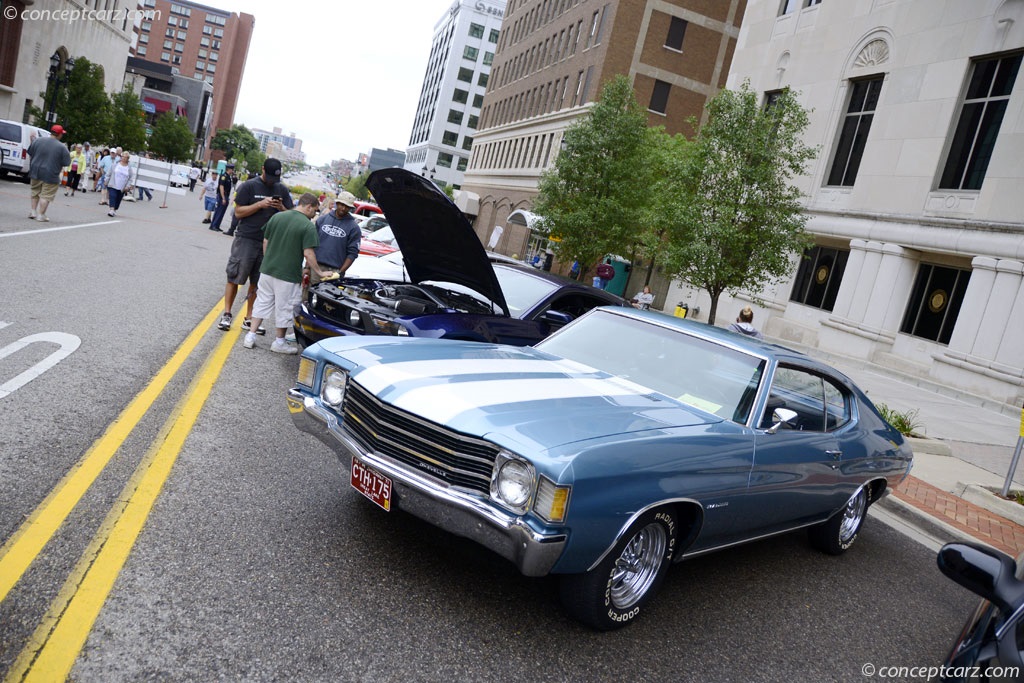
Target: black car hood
<point x="436" y="240"/>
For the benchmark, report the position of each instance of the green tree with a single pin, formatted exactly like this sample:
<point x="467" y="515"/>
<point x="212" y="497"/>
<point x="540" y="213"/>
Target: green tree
<point x="357" y="186"/>
<point x="172" y="138"/>
<point x="734" y="213"/>
<point x="254" y="161"/>
<point x="235" y="142"/>
<point x="128" y="121"/>
<point x="591" y="198"/>
<point x="82" y="106"/>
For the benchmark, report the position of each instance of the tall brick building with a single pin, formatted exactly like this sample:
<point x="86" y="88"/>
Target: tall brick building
<point x="552" y="60"/>
<point x="199" y="42"/>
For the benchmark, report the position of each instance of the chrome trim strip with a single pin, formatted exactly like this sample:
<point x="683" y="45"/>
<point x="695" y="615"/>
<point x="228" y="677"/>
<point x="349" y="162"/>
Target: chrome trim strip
<point x="746" y="540"/>
<point x="635" y="516"/>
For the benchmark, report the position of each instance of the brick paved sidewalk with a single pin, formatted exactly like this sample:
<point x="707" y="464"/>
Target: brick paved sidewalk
<point x="971" y="519"/>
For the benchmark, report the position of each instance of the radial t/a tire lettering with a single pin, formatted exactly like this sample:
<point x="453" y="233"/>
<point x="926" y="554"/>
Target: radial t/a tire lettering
<point x="618" y="590"/>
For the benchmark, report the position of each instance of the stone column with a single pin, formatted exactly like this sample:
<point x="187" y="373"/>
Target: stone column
<point x="976" y="300"/>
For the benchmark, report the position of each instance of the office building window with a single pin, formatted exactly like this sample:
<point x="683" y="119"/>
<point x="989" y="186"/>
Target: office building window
<point x="473" y="121"/>
<point x="482" y="80"/>
<point x="454" y="116"/>
<point x="205" y="42"/>
<point x="470" y="53"/>
<point x="488" y="58"/>
<point x="444" y="159"/>
<point x="478" y="101"/>
<point x="165" y="56"/>
<point x="460" y="96"/>
<point x="981" y="116"/>
<point x="465" y="75"/>
<point x="819" y="276"/>
<point x="178" y="47"/>
<point x="676" y="33"/>
<point x="143" y="39"/>
<point x="935" y="302"/>
<point x="659" y="97"/>
<point x="467" y="142"/>
<point x="200" y="66"/>
<point x="476" y="31"/>
<point x="853" y="137"/>
<point x="493" y="38"/>
<point x="168" y="44"/>
<point x="449" y="138"/>
<point x="147" y="25"/>
<point x="141" y="51"/>
<point x="172" y="21"/>
<point x="463" y="161"/>
<point x="790" y="6"/>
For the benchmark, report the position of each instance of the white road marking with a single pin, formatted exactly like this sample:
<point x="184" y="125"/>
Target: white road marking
<point x="65" y="227"/>
<point x="67" y="342"/>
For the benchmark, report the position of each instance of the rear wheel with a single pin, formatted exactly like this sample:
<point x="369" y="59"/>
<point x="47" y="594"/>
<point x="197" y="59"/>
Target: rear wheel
<point x="615" y="592"/>
<point x="837" y="534"/>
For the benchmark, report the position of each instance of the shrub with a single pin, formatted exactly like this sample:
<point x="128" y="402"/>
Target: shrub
<point x="905" y="422"/>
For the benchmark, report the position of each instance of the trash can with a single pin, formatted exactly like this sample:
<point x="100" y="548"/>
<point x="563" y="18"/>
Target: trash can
<point x="681" y="310"/>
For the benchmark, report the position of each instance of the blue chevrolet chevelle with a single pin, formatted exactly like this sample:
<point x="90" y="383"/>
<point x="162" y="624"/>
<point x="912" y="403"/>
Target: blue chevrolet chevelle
<point x="625" y="441"/>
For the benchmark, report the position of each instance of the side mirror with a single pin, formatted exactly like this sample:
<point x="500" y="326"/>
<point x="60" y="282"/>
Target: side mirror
<point x="556" y="317"/>
<point x="782" y="416"/>
<point x="984" y="571"/>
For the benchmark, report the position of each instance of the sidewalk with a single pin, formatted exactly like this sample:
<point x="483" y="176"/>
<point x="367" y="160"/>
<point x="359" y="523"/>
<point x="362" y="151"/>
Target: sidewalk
<point x="967" y="454"/>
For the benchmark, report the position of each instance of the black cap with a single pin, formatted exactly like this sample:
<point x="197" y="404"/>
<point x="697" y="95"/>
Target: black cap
<point x="272" y="167"/>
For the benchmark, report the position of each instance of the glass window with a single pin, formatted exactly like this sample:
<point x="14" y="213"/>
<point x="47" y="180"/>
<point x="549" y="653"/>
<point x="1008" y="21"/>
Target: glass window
<point x="200" y="66"/>
<point x="218" y="33"/>
<point x="465" y="75"/>
<point x="676" y="32"/>
<point x="141" y="51"/>
<point x="178" y="47"/>
<point x="478" y="101"/>
<point x="981" y="116"/>
<point x="493" y="38"/>
<point x="476" y="31"/>
<point x="165" y="56"/>
<point x="449" y="138"/>
<point x="482" y="80"/>
<point x="471" y="53"/>
<point x="460" y="96"/>
<point x="467" y="142"/>
<point x="211" y="68"/>
<point x="147" y="25"/>
<point x="473" y="121"/>
<point x="444" y="159"/>
<point x="853" y="137"/>
<point x="659" y="97"/>
<point x="454" y="116"/>
<point x="819" y="276"/>
<point x="213" y="56"/>
<point x="182" y="35"/>
<point x="207" y="30"/>
<point x="205" y="42"/>
<point x="461" y="165"/>
<point x="488" y="58"/>
<point x="819" y="403"/>
<point x="935" y="302"/>
<point x="789" y="6"/>
<point x="168" y="44"/>
<point x="172" y="21"/>
<point x="143" y="39"/>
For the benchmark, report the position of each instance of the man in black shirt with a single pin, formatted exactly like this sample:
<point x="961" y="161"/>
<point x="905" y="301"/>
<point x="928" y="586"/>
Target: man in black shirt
<point x="255" y="202"/>
<point x="224" y="187"/>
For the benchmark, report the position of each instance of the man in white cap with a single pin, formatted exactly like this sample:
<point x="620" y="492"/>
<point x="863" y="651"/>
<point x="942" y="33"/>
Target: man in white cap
<point x="339" y="237"/>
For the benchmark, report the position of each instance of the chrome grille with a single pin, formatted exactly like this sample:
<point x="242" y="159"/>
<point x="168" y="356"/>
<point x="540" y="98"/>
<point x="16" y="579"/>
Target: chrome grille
<point x="444" y="454"/>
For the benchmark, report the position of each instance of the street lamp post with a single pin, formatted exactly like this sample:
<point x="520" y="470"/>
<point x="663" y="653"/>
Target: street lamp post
<point x="55" y="80"/>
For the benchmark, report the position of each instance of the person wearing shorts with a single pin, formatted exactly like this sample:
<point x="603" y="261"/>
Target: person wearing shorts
<point x="287" y="238"/>
<point x="256" y="201"/>
<point x="48" y="157"/>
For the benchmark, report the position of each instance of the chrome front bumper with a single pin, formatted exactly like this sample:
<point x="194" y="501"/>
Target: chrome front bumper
<point x="450" y="509"/>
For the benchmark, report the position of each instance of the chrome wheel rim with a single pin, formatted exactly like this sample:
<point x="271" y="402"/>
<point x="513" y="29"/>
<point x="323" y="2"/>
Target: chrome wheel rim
<point x="852" y="516"/>
<point x="637" y="566"/>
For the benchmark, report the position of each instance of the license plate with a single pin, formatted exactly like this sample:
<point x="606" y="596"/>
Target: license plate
<point x="371" y="484"/>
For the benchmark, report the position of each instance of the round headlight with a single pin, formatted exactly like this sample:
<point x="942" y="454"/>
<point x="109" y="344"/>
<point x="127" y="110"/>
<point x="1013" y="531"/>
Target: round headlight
<point x="354" y="318"/>
<point x="515" y="482"/>
<point x="332" y="389"/>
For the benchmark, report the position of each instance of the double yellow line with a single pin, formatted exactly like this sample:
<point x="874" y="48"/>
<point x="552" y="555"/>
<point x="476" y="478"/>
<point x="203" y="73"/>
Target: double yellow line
<point x="54" y="646"/>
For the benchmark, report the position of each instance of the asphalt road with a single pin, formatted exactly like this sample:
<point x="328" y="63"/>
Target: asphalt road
<point x="256" y="561"/>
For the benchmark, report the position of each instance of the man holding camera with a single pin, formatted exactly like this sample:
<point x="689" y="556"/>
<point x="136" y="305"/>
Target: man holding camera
<point x="256" y="201"/>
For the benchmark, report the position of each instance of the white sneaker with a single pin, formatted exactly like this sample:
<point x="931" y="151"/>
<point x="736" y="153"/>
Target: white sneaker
<point x="250" y="341"/>
<point x="32" y="215"/>
<point x="111" y="214"/>
<point x="281" y="346"/>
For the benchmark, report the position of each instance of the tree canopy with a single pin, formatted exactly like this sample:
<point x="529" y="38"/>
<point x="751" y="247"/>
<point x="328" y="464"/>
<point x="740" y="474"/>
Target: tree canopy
<point x="172" y="138"/>
<point x="82" y="105"/>
<point x="734" y="216"/>
<point x="235" y="142"/>
<point x="128" y="121"/>
<point x="591" y="200"/>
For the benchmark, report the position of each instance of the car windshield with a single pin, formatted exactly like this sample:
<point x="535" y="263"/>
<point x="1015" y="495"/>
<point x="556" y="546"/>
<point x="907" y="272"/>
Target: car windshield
<point x="522" y="290"/>
<point x="699" y="372"/>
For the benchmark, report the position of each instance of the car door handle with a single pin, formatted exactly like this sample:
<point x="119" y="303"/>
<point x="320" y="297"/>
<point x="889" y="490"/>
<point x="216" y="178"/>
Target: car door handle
<point x="835" y="454"/>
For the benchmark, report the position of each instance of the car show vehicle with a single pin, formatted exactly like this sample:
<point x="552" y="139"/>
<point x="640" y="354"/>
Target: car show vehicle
<point x="991" y="645"/>
<point x="624" y="442"/>
<point x="449" y="287"/>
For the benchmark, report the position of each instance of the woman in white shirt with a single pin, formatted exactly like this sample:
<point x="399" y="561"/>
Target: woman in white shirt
<point x="118" y="178"/>
<point x="644" y="299"/>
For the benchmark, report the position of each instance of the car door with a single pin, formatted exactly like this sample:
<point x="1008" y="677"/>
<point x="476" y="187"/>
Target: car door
<point x="796" y="474"/>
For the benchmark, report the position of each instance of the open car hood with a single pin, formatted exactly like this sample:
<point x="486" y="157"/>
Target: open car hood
<point x="436" y="240"/>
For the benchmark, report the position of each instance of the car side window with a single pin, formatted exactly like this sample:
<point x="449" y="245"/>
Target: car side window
<point x="574" y="304"/>
<point x="837" y="406"/>
<point x="800" y="391"/>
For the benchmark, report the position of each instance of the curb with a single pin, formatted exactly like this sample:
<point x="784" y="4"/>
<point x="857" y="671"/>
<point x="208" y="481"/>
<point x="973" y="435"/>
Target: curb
<point x="983" y="497"/>
<point x="927" y="524"/>
<point x="922" y="444"/>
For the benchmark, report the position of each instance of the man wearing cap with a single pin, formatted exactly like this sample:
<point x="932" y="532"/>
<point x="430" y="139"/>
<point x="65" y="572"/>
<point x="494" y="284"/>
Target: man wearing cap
<point x="339" y="237"/>
<point x="49" y="157"/>
<point x="224" y="186"/>
<point x="256" y="201"/>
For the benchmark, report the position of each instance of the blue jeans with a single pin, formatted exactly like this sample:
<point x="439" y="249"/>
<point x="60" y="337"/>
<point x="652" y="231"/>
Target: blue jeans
<point x="141" y="189"/>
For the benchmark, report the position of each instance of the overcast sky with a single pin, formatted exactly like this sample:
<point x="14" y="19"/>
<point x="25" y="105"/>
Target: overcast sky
<point x="343" y="76"/>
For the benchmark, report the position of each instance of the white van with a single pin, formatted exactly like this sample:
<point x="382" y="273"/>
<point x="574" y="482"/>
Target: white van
<point x="15" y="137"/>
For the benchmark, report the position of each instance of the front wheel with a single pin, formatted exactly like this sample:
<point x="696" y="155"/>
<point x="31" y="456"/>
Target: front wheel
<point x="837" y="534"/>
<point x="616" y="591"/>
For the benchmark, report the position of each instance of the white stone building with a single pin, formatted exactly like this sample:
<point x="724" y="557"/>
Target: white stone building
<point x="916" y="200"/>
<point x="32" y="32"/>
<point x="448" y="112"/>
